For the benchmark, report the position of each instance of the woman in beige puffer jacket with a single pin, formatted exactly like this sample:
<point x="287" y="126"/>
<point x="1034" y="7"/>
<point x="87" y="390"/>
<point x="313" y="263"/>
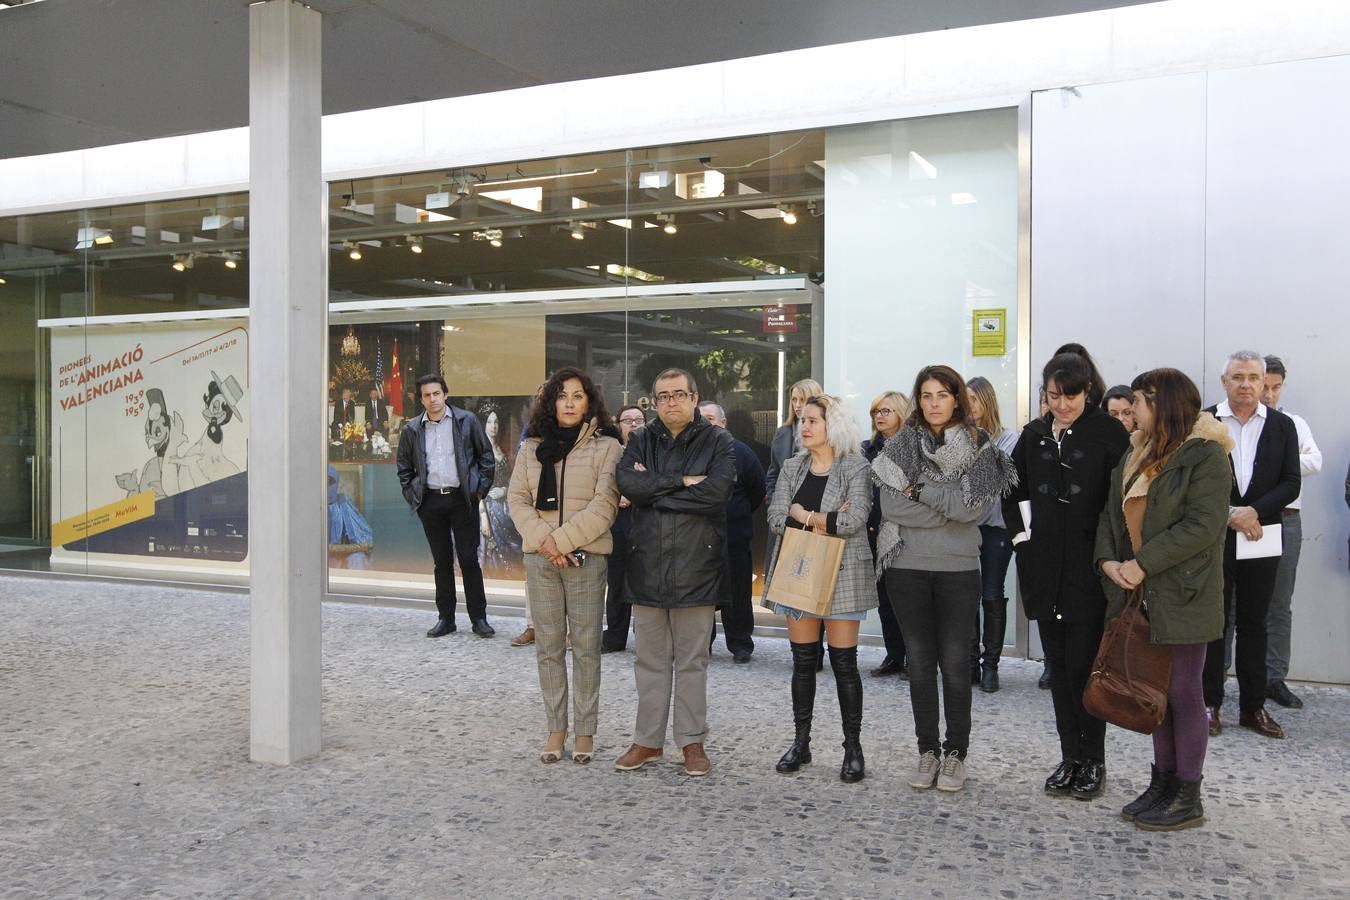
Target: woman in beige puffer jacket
<point x="563" y="499"/>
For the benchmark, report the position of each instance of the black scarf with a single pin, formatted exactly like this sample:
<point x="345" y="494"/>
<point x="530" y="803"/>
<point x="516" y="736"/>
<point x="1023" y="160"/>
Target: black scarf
<point x="554" y="445"/>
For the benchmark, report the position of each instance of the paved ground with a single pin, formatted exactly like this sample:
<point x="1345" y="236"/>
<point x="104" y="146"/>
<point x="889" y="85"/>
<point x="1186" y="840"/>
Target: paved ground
<point x="124" y="772"/>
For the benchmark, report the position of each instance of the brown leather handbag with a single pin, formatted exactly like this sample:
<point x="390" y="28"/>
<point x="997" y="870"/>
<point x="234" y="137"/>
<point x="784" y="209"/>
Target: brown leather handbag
<point x="1128" y="684"/>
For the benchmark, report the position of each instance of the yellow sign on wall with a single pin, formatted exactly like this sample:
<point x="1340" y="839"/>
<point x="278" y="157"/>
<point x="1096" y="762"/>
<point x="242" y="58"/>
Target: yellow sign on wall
<point x="105" y="518"/>
<point x="989" y="332"/>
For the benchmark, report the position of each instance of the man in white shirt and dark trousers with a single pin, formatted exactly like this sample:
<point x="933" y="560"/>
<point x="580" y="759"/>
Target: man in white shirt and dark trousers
<point x="1265" y="480"/>
<point x="1279" y="621"/>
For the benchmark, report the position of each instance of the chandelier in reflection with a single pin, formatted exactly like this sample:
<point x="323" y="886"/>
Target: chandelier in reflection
<point x="350" y="345"/>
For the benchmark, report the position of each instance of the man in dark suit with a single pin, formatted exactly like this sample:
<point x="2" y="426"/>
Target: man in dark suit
<point x="1266" y="479"/>
<point x="738" y="614"/>
<point x="377" y="413"/>
<point x="446" y="465"/>
<point x="344" y="411"/>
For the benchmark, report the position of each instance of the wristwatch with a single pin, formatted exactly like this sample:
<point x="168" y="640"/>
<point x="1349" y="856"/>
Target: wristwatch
<point x="914" y="491"/>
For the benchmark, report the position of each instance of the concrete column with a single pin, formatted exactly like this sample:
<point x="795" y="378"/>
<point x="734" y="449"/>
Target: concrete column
<point x="288" y="322"/>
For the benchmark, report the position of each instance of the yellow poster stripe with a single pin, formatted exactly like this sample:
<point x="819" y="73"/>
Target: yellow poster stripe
<point x="105" y="518"/>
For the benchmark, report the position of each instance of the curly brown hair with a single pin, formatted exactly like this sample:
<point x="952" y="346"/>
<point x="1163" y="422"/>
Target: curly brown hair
<point x="544" y="414"/>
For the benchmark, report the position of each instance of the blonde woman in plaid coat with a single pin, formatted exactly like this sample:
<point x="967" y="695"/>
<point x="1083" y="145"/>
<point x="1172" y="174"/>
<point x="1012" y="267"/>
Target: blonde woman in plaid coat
<point x="828" y="488"/>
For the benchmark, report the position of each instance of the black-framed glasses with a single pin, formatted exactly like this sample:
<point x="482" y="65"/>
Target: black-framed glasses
<point x="667" y="397"/>
<point x="633" y="420"/>
<point x="882" y="411"/>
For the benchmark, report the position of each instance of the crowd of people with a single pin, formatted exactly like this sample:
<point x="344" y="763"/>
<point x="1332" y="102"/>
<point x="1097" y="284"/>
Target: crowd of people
<point x="1132" y="490"/>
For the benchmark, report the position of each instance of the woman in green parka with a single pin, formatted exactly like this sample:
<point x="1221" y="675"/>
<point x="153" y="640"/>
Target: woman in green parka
<point x="1164" y="527"/>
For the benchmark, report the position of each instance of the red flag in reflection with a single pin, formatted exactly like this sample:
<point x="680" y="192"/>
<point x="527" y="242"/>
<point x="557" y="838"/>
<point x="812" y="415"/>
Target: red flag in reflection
<point x="393" y="385"/>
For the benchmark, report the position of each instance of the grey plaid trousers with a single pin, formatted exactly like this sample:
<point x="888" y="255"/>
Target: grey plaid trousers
<point x="558" y="597"/>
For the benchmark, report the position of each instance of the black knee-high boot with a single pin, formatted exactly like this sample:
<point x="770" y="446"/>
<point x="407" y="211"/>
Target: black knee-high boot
<point x="804" y="658"/>
<point x="844" y="661"/>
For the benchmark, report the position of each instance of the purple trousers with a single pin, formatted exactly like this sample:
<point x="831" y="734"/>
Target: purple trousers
<point x="1179" y="743"/>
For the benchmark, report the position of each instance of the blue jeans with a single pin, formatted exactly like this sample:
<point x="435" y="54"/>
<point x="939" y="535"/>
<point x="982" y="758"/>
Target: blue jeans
<point x="995" y="555"/>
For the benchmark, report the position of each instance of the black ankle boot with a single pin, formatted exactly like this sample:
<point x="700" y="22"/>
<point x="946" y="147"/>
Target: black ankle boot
<point x="844" y="662"/>
<point x="1179" y="808"/>
<point x="995" y="623"/>
<point x="804" y="658"/>
<point x="1157" y="788"/>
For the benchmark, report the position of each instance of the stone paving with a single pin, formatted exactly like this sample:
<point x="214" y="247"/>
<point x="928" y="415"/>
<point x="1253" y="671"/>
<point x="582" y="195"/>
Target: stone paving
<point x="124" y="772"/>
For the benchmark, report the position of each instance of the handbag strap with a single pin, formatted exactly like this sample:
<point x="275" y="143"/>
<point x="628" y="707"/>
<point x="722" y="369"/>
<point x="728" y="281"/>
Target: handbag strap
<point x="1134" y="602"/>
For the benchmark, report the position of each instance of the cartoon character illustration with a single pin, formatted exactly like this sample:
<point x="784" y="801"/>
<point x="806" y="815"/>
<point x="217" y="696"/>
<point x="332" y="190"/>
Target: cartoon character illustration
<point x="159" y="433"/>
<point x="205" y="461"/>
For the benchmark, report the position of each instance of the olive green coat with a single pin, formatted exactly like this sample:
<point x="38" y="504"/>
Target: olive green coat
<point x="1185" y="525"/>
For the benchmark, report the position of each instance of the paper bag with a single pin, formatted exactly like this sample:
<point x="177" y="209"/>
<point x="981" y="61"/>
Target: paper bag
<point x="806" y="571"/>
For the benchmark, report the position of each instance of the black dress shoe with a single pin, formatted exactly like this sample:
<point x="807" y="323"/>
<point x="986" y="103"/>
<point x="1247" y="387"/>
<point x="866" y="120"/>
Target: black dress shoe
<point x="1280" y="693"/>
<point x="888" y="667"/>
<point x="989" y="680"/>
<point x="741" y="656"/>
<point x="1089" y="781"/>
<point x="1060" y="781"/>
<point x="482" y="628"/>
<point x="1044" y="681"/>
<point x="442" y="628"/>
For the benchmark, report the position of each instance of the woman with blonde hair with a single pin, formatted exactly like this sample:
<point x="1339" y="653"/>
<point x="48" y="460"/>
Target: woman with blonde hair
<point x="827" y="488"/>
<point x="888" y="413"/>
<point x="787" y="440"/>
<point x="995" y="547"/>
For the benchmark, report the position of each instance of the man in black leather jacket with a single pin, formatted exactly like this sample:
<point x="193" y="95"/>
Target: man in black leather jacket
<point x="678" y="472"/>
<point x="445" y="466"/>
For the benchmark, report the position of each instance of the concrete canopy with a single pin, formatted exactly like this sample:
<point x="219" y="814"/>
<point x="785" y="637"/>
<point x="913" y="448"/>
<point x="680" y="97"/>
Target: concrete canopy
<point x="80" y="74"/>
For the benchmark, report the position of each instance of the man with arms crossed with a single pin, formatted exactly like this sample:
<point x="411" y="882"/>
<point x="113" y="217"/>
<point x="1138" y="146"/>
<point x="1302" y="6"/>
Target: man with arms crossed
<point x="678" y="473"/>
<point x="445" y="465"/>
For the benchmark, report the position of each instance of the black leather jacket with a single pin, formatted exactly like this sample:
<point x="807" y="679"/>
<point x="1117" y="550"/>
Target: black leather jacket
<point x="677" y="537"/>
<point x="474" y="459"/>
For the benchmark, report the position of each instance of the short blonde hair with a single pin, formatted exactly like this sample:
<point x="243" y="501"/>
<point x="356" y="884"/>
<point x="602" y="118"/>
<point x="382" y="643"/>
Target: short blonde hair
<point x="807" y="388"/>
<point x="840" y="430"/>
<point x="899" y="404"/>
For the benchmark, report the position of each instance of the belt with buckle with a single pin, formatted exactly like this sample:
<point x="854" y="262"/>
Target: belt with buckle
<point x="443" y="490"/>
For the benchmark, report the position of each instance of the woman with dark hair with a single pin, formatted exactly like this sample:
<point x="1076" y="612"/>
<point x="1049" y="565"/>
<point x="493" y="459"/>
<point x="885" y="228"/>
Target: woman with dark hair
<point x="1096" y="389"/>
<point x="827" y="488"/>
<point x="995" y="548"/>
<point x="1164" y="525"/>
<point x="618" y="611"/>
<point x="939" y="476"/>
<point x="1064" y="461"/>
<point x="500" y="547"/>
<point x="1119" y="405"/>
<point x="563" y="499"/>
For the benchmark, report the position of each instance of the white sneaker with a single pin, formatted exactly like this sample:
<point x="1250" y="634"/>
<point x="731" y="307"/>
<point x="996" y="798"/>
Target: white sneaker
<point x="952" y="776"/>
<point x="927" y="772"/>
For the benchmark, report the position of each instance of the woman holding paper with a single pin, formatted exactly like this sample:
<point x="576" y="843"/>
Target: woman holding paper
<point x="827" y="489"/>
<point x="939" y="477"/>
<point x="1164" y="526"/>
<point x="1064" y="461"/>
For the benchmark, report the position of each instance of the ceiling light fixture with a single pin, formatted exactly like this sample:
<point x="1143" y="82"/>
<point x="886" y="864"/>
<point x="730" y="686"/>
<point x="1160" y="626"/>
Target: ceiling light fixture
<point x="231" y="260"/>
<point x="414" y="244"/>
<point x="2" y="280"/>
<point x="521" y="177"/>
<point x="669" y="220"/>
<point x="576" y="231"/>
<point x="182" y="262"/>
<point x="789" y="217"/>
<point x="353" y="251"/>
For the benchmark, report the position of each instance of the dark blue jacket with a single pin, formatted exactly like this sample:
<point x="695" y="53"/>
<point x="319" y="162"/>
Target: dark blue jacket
<point x="474" y="459"/>
<point x="746" y="497"/>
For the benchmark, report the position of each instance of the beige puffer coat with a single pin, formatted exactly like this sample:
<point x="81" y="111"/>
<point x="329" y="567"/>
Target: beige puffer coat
<point x="590" y="496"/>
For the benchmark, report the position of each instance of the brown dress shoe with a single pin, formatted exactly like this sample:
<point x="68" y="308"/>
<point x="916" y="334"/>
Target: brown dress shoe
<point x="1215" y="726"/>
<point x="637" y="756"/>
<point x="1259" y="720"/>
<point x="695" y="760"/>
<point x="524" y="639"/>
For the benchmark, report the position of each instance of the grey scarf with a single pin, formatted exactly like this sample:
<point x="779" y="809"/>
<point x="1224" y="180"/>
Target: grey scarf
<point x="917" y="456"/>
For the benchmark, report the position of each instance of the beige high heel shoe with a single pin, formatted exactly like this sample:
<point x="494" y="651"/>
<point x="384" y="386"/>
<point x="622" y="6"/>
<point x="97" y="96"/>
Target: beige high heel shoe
<point x="551" y="756"/>
<point x="584" y="757"/>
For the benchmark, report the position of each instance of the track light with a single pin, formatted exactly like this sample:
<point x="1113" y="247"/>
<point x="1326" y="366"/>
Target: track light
<point x="182" y="262"/>
<point x="496" y="242"/>
<point x="576" y="231"/>
<point x="669" y="219"/>
<point x="353" y="251"/>
<point x="789" y="217"/>
<point x="2" y="280"/>
<point x="414" y="244"/>
<point x="231" y="260"/>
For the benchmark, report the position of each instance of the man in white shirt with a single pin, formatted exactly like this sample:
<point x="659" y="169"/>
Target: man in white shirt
<point x="1279" y="621"/>
<point x="1265" y="480"/>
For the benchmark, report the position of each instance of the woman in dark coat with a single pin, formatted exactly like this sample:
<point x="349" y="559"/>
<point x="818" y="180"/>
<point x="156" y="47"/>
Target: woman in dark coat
<point x="1164" y="527"/>
<point x="1064" y="461"/>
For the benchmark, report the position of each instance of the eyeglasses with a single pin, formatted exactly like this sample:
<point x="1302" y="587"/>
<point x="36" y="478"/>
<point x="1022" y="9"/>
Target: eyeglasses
<point x="883" y="411"/>
<point x="633" y="420"/>
<point x="665" y="398"/>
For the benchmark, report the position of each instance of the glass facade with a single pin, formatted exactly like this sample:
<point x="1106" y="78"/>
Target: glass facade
<point x="126" y="346"/>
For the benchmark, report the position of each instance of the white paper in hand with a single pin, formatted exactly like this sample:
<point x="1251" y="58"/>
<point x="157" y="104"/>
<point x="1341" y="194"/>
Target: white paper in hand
<point x="1271" y="543"/>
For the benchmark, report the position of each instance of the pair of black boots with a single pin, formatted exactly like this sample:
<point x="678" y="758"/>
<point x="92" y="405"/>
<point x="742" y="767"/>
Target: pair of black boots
<point x="1167" y="804"/>
<point x="848" y="683"/>
<point x="984" y="667"/>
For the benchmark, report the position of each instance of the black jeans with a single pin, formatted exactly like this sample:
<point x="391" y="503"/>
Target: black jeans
<point x="891" y="634"/>
<point x="738" y="617"/>
<point x="451" y="526"/>
<point x="936" y="611"/>
<point x="618" y="611"/>
<point x="1070" y="648"/>
<point x="1247" y="588"/>
<point x="995" y="554"/>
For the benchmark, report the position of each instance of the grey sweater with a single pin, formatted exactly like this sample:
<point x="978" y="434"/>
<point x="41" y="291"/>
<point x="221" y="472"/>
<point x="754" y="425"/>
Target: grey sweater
<point x="939" y="531"/>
